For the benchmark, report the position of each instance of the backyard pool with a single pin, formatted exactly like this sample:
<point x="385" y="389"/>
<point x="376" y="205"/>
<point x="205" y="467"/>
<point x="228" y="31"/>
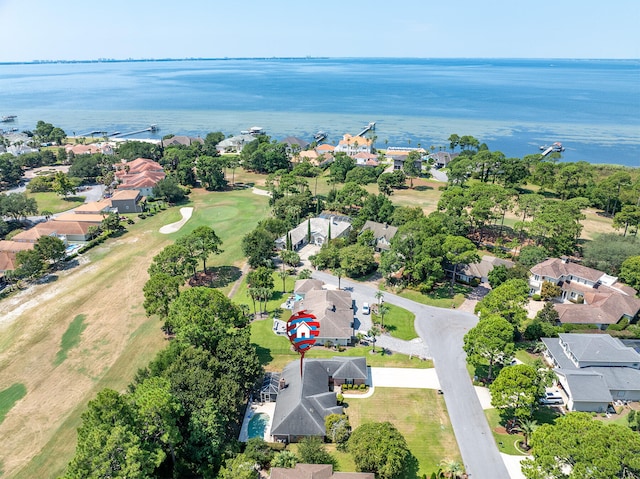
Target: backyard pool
<point x="257" y="425"/>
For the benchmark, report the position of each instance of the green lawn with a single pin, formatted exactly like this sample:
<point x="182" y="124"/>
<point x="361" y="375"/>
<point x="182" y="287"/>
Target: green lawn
<point x="49" y="201"/>
<point x="440" y="296"/>
<point x="10" y="396"/>
<point x="507" y="442"/>
<point x="70" y="338"/>
<point x="419" y="414"/>
<point x="398" y="322"/>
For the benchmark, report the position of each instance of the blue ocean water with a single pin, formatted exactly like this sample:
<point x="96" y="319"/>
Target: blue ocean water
<point x="515" y="106"/>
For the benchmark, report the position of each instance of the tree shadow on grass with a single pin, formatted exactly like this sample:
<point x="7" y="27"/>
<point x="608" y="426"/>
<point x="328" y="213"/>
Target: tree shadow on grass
<point x="73" y="199"/>
<point x="216" y="277"/>
<point x="411" y="468"/>
<point x="264" y="354"/>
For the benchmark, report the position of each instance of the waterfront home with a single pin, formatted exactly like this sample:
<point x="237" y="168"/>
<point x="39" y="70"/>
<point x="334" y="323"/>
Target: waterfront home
<point x="352" y="145"/>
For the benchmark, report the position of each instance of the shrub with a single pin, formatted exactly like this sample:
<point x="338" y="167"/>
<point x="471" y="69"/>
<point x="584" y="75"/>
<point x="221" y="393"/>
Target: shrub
<point x="536" y="297"/>
<point x="619" y="326"/>
<point x="363" y="386"/>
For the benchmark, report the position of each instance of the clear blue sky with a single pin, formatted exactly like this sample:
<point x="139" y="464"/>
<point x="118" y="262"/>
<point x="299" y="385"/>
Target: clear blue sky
<point x="87" y="29"/>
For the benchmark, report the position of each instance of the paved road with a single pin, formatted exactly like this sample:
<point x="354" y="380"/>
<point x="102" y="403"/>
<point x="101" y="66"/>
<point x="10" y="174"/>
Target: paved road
<point x="442" y="332"/>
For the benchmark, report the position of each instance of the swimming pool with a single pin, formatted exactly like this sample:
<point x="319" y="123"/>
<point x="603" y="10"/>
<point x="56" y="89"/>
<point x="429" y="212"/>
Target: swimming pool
<point x="257" y="425"/>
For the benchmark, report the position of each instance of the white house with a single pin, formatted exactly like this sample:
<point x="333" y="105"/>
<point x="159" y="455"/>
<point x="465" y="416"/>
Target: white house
<point x="352" y="145"/>
<point x="316" y="231"/>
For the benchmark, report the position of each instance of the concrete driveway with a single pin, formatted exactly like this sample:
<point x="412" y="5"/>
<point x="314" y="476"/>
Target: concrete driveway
<point x="442" y="332"/>
<point x="405" y="378"/>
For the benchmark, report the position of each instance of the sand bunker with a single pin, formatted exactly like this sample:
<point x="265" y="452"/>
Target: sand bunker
<point x="174" y="227"/>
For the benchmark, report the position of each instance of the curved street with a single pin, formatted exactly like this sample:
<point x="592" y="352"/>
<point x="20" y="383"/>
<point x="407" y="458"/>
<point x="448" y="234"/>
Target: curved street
<point x="441" y="331"/>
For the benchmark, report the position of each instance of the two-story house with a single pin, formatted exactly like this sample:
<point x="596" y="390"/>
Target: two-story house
<point x="594" y="370"/>
<point x="588" y="296"/>
<point x="352" y="145"/>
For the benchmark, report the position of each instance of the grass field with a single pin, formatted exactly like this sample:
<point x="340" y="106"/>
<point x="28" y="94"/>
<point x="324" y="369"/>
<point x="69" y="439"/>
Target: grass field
<point x="49" y="201"/>
<point x="398" y="322"/>
<point x="419" y="414"/>
<point x="39" y="432"/>
<point x="70" y="338"/>
<point x="10" y="396"/>
<point x="440" y="296"/>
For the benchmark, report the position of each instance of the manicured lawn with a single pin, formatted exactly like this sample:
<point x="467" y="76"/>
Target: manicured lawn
<point x="419" y="414"/>
<point x="10" y="396"/>
<point x="398" y="322"/>
<point x="440" y="296"/>
<point x="507" y="442"/>
<point x="49" y="201"/>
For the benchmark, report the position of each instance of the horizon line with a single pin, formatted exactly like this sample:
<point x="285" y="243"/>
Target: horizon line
<point x="308" y="57"/>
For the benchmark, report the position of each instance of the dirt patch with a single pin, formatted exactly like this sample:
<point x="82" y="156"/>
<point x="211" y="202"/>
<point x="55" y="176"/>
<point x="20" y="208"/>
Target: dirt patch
<point x="500" y="430"/>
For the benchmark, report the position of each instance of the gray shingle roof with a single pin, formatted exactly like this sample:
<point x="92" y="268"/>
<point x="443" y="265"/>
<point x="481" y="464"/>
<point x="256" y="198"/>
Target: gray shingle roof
<point x="302" y="406"/>
<point x="586" y="385"/>
<point x="599" y="347"/>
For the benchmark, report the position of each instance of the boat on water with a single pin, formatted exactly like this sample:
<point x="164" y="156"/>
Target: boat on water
<point x="8" y="118"/>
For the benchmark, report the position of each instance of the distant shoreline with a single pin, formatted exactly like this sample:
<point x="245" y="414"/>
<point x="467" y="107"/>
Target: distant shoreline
<point x="188" y="59"/>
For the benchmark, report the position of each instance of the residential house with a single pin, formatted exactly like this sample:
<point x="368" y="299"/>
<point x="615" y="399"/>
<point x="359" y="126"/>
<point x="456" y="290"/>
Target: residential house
<point x="91" y="149"/>
<point x="234" y="144"/>
<point x="316" y="471"/>
<point x="333" y="309"/>
<point x="588" y="296"/>
<point x="480" y="271"/>
<point x="305" y="400"/>
<point x="441" y="159"/>
<point x="399" y="155"/>
<point x="316" y="231"/>
<point x="140" y="174"/>
<point x="92" y="219"/>
<point x="325" y="148"/>
<point x="594" y="370"/>
<point x="295" y="144"/>
<point x="382" y="234"/>
<point x="352" y="145"/>
<point x="94" y="208"/>
<point x="127" y="201"/>
<point x="8" y="251"/>
<point x="366" y="159"/>
<point x="181" y="140"/>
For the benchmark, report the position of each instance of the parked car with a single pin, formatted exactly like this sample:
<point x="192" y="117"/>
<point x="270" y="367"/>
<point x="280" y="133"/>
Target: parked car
<point x="551" y="397"/>
<point x="365" y="308"/>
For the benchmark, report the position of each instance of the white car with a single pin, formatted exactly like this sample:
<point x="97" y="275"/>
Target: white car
<point x="365" y="308"/>
<point x="551" y="397"/>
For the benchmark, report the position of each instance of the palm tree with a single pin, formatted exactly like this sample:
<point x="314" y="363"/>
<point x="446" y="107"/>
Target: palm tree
<point x="339" y="272"/>
<point x="283" y="275"/>
<point x="382" y="310"/>
<point x="379" y="297"/>
<point x="451" y="468"/>
<point x="374" y="332"/>
<point x="526" y="427"/>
